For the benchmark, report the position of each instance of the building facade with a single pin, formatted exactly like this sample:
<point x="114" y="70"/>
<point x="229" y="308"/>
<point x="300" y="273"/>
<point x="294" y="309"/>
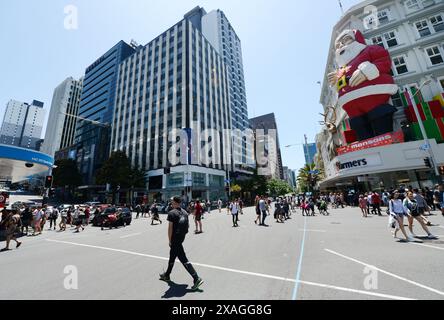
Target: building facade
<point x="310" y="151"/>
<point x="22" y="124"/>
<point x="220" y="33"/>
<point x="266" y="136"/>
<point x="93" y="128"/>
<point x="413" y="32"/>
<point x="61" y="126"/>
<point x="176" y="88"/>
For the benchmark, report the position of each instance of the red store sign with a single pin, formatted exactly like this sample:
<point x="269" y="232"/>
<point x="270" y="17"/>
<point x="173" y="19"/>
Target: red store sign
<point x="383" y="140"/>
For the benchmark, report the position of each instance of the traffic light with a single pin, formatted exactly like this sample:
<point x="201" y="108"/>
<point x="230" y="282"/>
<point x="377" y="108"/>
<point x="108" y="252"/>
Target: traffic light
<point x="48" y="182"/>
<point x="441" y="170"/>
<point x="52" y="192"/>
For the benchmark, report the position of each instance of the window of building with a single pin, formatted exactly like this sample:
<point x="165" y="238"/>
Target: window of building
<point x="390" y="38"/>
<point x="435" y="55"/>
<point x="437" y="23"/>
<point x="441" y="82"/>
<point x="378" y="41"/>
<point x="412" y="5"/>
<point x="423" y="28"/>
<point x="400" y="65"/>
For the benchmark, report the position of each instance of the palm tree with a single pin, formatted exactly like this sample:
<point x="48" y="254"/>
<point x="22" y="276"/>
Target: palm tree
<point x="307" y="179"/>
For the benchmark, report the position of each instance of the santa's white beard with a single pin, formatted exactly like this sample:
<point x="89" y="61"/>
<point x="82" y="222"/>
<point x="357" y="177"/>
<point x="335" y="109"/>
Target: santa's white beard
<point x="349" y="53"/>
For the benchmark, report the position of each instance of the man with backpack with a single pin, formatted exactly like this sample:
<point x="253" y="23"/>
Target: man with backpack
<point x="177" y="231"/>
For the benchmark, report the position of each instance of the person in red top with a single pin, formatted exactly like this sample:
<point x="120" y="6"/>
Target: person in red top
<point x="376" y="203"/>
<point x="198" y="210"/>
<point x="364" y="84"/>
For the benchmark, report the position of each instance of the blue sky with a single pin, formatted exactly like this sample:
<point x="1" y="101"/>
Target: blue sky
<point x="284" y="45"/>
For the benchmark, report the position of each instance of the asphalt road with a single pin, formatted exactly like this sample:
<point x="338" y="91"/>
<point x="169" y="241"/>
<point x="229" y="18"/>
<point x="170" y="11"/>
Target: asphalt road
<point x="342" y="256"/>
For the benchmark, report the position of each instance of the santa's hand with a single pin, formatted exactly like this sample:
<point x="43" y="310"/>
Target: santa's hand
<point x="357" y="78"/>
<point x="333" y="78"/>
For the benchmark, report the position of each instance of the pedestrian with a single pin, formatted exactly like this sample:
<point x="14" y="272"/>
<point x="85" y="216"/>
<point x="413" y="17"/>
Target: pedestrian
<point x="138" y="209"/>
<point x="439" y="198"/>
<point x="363" y="205"/>
<point x="258" y="210"/>
<point x="208" y="206"/>
<point x="26" y="220"/>
<point x="78" y="219"/>
<point x="198" y="210"/>
<point x="376" y="204"/>
<point x="370" y="202"/>
<point x="177" y="231"/>
<point x="63" y="219"/>
<point x="219" y="205"/>
<point x="155" y="214"/>
<point x="263" y="205"/>
<point x="412" y="206"/>
<point x="11" y="223"/>
<point x="235" y="212"/>
<point x="241" y="206"/>
<point x="37" y="221"/>
<point x="53" y="216"/>
<point x="398" y="211"/>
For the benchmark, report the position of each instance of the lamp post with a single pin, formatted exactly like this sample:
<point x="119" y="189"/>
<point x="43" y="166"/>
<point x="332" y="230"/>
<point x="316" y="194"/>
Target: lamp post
<point x="421" y="125"/>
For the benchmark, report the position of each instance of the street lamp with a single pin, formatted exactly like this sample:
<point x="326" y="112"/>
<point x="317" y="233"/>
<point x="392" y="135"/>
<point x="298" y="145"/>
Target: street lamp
<point x="421" y="125"/>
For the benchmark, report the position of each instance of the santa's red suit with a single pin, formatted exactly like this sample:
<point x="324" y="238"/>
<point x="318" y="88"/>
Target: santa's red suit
<point x="375" y="63"/>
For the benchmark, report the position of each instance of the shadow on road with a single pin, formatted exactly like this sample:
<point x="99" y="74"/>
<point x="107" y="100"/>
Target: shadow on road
<point x="178" y="290"/>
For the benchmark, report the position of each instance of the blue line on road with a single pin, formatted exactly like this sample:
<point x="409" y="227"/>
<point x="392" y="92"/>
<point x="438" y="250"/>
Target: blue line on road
<point x="301" y="255"/>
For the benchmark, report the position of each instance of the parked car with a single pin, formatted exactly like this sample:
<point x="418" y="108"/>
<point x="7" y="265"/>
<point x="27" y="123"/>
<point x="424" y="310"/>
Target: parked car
<point x="124" y="218"/>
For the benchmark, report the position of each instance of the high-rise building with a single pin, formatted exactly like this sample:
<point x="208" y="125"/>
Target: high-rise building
<point x="93" y="129"/>
<point x="310" y="153"/>
<point x="178" y="81"/>
<point x="62" y="119"/>
<point x="267" y="123"/>
<point x="220" y="33"/>
<point x="22" y="124"/>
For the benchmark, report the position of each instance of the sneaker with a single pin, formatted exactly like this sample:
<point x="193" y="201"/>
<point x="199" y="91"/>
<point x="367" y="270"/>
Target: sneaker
<point x="432" y="237"/>
<point x="411" y="239"/>
<point x="197" y="284"/>
<point x="18" y="244"/>
<point x="164" y="277"/>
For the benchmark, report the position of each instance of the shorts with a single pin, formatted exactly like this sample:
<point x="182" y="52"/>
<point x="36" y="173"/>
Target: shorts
<point x="417" y="213"/>
<point x="401" y="214"/>
<point x="198" y="217"/>
<point x="11" y="230"/>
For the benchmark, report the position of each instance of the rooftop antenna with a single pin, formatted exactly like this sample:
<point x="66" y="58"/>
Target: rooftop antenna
<point x="340" y="5"/>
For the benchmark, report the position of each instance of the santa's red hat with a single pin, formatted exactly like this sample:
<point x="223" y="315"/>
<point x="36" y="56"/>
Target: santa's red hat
<point x="355" y="34"/>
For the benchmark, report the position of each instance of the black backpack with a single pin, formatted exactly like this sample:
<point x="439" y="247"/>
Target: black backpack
<point x="183" y="223"/>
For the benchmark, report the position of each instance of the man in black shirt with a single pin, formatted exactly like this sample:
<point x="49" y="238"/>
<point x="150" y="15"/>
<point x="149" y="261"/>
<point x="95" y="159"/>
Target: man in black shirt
<point x="177" y="230"/>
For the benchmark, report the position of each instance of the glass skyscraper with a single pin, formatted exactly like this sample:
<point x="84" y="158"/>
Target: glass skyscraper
<point x="93" y="130"/>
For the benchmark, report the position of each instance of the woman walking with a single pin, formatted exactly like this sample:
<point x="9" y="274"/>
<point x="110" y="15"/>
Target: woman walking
<point x="412" y="206"/>
<point x="235" y="213"/>
<point x="198" y="211"/>
<point x="398" y="211"/>
<point x="363" y="205"/>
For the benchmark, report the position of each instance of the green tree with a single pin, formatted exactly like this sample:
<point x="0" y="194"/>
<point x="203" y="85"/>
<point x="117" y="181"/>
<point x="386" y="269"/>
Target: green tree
<point x="307" y="179"/>
<point x="278" y="187"/>
<point x="138" y="178"/>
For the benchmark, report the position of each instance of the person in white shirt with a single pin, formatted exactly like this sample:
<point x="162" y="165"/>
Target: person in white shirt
<point x="398" y="211"/>
<point x="219" y="205"/>
<point x="235" y="212"/>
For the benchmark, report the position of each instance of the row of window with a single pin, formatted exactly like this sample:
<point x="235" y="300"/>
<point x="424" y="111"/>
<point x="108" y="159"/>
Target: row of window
<point x="435" y="55"/>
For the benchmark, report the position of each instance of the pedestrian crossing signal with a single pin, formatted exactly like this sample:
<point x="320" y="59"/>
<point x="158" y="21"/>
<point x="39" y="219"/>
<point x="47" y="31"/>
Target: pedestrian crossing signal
<point x="48" y="182"/>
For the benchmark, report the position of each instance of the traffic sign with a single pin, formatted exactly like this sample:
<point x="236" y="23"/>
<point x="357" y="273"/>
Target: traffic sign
<point x="425" y="147"/>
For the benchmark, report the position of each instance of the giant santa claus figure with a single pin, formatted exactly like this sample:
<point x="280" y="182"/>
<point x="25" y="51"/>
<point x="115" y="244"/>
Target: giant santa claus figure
<point x="364" y="84"/>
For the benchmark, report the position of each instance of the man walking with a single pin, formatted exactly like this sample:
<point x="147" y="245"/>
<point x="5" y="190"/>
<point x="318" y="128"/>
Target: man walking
<point x="11" y="223"/>
<point x="263" y="209"/>
<point x="177" y="231"/>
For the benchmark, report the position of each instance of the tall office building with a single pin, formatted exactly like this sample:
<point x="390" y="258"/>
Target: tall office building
<point x="267" y="123"/>
<point x="176" y="81"/>
<point x="310" y="151"/>
<point x="220" y="33"/>
<point x="22" y="124"/>
<point x="62" y="119"/>
<point x="93" y="130"/>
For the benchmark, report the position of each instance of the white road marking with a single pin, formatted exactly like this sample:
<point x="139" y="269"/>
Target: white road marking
<point x="428" y="246"/>
<point x="131" y="235"/>
<point x="369" y="293"/>
<point x="387" y="273"/>
<point x="313" y="230"/>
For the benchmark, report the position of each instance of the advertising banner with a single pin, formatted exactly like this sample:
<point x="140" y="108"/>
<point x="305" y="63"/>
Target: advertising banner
<point x="383" y="140"/>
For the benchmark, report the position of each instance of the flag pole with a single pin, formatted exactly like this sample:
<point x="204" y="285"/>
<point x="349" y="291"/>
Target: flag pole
<point x="342" y="8"/>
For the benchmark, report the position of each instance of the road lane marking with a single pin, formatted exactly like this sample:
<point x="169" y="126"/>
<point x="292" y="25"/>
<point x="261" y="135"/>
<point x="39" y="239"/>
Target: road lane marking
<point x="312" y="230"/>
<point x="301" y="255"/>
<point x="428" y="246"/>
<point x="261" y="275"/>
<point x="387" y="272"/>
<point x="131" y="235"/>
